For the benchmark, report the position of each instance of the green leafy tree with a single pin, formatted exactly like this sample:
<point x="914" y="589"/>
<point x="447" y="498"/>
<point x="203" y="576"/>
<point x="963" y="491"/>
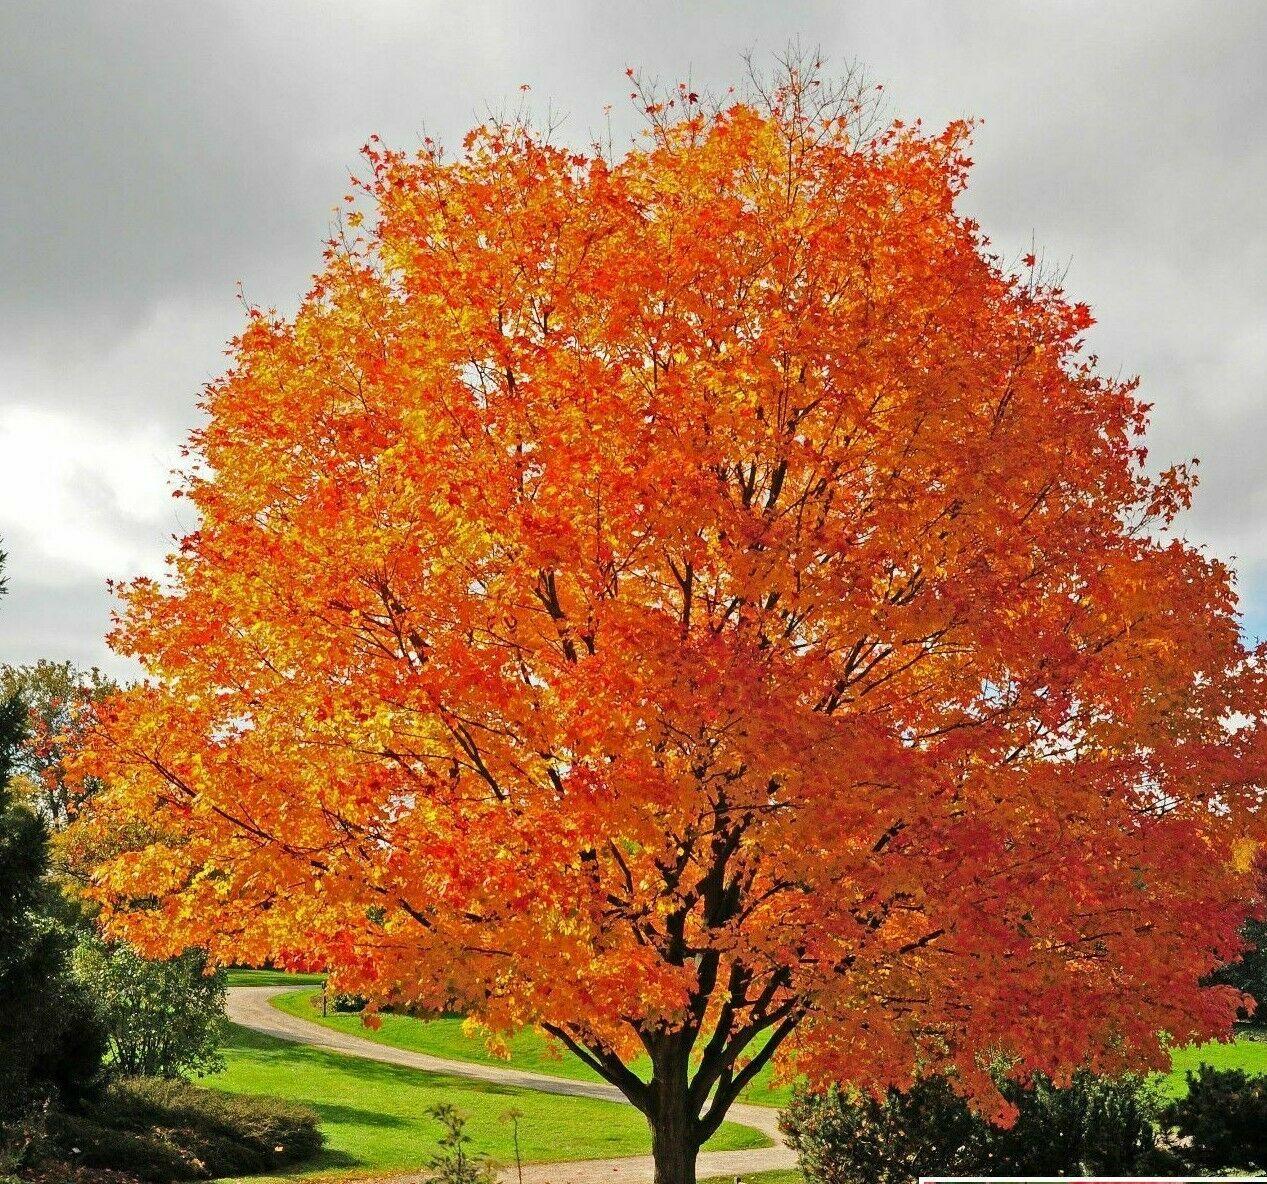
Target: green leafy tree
<point x="162" y="1018"/>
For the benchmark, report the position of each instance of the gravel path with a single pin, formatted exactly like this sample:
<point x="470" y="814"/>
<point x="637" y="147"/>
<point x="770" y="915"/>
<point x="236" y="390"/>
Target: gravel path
<point x="250" y="1007"/>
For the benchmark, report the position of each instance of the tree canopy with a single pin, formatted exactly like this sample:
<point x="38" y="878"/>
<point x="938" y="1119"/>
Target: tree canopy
<point x="702" y="601"/>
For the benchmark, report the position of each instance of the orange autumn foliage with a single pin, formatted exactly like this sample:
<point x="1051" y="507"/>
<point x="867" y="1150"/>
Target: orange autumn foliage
<point x="690" y="597"/>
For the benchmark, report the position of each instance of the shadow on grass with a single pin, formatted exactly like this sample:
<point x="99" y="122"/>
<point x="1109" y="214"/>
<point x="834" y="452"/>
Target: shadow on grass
<point x="327" y="1161"/>
<point x="354" y="1115"/>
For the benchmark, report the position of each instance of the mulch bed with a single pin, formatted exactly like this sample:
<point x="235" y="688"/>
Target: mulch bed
<point x="57" y="1172"/>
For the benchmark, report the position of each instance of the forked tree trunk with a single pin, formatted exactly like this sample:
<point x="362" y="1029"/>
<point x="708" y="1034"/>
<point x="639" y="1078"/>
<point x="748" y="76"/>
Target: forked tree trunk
<point x="665" y="1101"/>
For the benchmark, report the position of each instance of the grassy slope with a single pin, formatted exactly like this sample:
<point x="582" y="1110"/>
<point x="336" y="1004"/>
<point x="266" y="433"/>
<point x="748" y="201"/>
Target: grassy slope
<point x="374" y="1119"/>
<point x="243" y="977"/>
<point x="444" y="1038"/>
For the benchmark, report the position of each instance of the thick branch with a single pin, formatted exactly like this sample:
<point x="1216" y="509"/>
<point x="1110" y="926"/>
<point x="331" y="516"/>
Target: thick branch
<point x="728" y="1091"/>
<point x="609" y="1067"/>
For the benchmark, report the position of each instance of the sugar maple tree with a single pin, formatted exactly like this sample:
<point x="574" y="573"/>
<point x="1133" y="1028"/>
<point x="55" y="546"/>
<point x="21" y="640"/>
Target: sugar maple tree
<point x="702" y="604"/>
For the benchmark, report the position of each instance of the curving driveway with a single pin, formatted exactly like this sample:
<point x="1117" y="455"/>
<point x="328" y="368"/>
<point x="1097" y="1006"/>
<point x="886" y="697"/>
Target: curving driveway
<point x="250" y="1007"/>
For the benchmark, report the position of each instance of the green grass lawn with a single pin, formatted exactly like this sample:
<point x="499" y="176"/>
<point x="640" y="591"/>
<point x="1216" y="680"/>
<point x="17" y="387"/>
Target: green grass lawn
<point x="444" y="1038"/>
<point x="374" y="1115"/>
<point x="1247" y="1052"/>
<point x="242" y="977"/>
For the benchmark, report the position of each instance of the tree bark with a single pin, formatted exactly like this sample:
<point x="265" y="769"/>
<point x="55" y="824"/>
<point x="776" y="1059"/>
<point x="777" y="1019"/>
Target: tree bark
<point x="676" y="1133"/>
<point x="674" y="1145"/>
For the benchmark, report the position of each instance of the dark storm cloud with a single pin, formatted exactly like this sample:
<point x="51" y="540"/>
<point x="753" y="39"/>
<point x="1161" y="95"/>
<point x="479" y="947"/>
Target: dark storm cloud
<point x="157" y="154"/>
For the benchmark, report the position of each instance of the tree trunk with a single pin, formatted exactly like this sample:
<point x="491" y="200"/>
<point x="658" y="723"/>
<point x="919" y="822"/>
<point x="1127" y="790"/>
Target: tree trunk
<point x="675" y="1126"/>
<point x="674" y="1145"/>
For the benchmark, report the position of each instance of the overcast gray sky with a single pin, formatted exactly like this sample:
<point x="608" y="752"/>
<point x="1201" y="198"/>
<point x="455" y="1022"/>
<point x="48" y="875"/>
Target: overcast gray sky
<point x="157" y="154"/>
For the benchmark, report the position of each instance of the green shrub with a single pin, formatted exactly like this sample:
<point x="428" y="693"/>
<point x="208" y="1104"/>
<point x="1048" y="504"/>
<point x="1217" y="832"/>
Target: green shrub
<point x="281" y="1132"/>
<point x="163" y="1018"/>
<point x="842" y="1138"/>
<point x="1094" y="1127"/>
<point x="164" y="1130"/>
<point x="145" y="1155"/>
<point x="1224" y="1113"/>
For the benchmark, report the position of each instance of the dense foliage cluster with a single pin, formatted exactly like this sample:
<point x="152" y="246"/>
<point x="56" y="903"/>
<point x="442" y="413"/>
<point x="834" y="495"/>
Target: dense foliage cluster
<point x="1092" y="1126"/>
<point x="76" y="1012"/>
<point x="58" y="697"/>
<point x="51" y="1041"/>
<point x="1248" y="971"/>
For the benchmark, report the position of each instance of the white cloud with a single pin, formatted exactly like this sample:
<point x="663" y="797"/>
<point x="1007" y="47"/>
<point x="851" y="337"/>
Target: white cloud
<point x="79" y="500"/>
